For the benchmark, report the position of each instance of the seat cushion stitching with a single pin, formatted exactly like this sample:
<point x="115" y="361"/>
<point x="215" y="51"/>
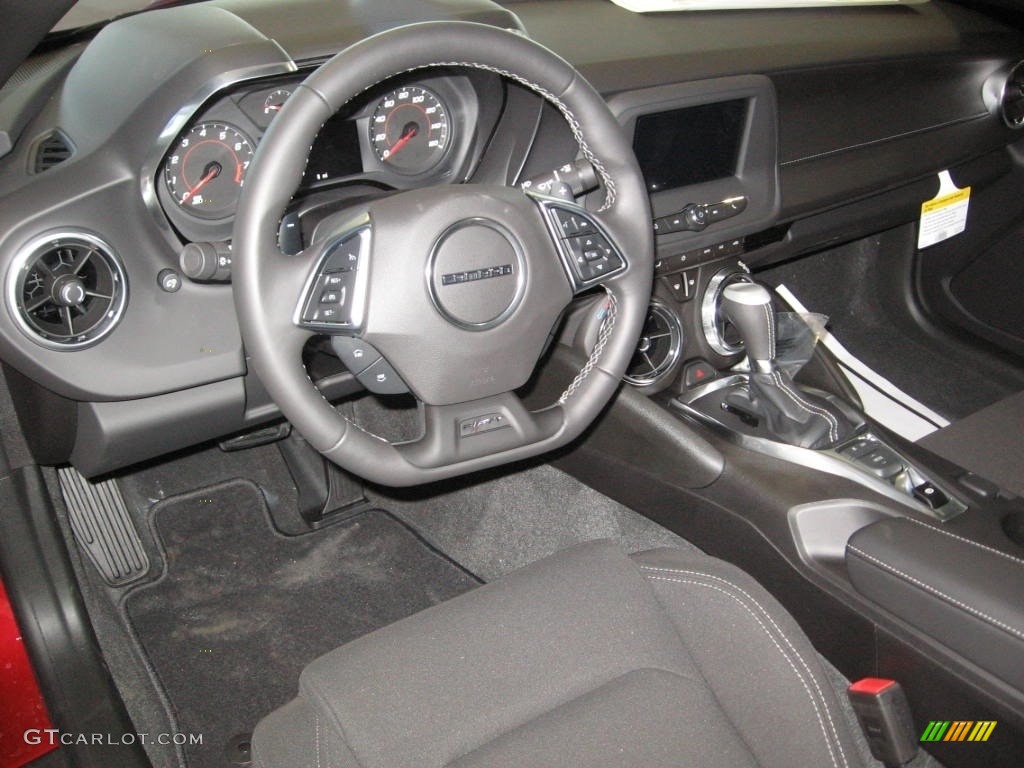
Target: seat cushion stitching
<point x="933" y="590"/>
<point x="977" y="544"/>
<point x="316" y="720"/>
<point x="832" y="740"/>
<point x="785" y="637"/>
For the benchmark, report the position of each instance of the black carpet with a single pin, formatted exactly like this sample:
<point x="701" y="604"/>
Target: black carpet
<point x="241" y="609"/>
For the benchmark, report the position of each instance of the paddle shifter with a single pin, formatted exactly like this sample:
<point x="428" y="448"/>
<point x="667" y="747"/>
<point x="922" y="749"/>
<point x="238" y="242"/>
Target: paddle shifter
<point x="790" y="414"/>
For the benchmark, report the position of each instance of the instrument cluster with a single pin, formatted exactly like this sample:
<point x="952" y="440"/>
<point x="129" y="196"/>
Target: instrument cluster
<point x="403" y="134"/>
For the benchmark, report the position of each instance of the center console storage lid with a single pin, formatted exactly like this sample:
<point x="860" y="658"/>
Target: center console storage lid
<point x="966" y="595"/>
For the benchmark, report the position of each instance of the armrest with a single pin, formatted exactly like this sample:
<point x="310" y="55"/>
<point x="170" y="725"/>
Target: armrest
<point x="966" y="595"/>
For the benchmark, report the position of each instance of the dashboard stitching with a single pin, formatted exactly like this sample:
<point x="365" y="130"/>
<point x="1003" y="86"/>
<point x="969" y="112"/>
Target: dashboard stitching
<point x="938" y="593"/>
<point x="831" y="741"/>
<point x="603" y="334"/>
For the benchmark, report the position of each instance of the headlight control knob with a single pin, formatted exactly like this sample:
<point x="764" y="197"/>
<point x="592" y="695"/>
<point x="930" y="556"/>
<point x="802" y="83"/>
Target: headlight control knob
<point x="206" y="262"/>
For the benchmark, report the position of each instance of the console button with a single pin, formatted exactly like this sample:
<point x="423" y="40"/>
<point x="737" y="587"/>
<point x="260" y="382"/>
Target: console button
<point x="930" y="495"/>
<point x="683" y="285"/>
<point x="882" y="463"/>
<point x="698" y="372"/>
<point x="725" y="209"/>
<point x="858" y="448"/>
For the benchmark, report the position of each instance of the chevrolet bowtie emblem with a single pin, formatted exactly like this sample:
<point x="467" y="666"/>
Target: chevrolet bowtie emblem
<point x="476" y="274"/>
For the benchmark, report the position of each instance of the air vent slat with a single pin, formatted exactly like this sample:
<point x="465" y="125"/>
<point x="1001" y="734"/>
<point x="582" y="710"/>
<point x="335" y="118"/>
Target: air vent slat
<point x="51" y="151"/>
<point x="68" y="290"/>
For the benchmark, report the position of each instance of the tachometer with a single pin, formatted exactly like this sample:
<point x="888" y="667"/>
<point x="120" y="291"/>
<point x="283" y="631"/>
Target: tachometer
<point x="205" y="172"/>
<point x="409" y="129"/>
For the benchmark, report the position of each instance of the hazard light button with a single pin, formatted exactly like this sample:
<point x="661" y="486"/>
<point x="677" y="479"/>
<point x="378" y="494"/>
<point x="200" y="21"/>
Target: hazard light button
<point x="698" y="372"/>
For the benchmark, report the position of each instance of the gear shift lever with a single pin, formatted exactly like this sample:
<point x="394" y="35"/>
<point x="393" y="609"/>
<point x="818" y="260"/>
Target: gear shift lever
<point x="789" y="414"/>
<point x="749" y="307"/>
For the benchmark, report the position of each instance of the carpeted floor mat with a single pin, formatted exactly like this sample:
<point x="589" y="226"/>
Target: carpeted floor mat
<point x="241" y="609"/>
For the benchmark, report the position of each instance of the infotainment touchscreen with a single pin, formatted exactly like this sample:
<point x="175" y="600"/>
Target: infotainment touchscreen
<point x="690" y="145"/>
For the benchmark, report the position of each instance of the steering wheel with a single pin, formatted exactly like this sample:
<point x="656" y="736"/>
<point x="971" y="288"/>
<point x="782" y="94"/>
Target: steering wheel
<point x="449" y="292"/>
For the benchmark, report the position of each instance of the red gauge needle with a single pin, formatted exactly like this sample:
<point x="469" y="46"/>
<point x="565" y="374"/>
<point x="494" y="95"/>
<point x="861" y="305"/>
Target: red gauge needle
<point x="212" y="172"/>
<point x="410" y="130"/>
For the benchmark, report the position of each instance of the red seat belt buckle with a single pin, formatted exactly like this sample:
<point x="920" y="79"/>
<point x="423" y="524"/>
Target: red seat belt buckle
<point x="884" y="716"/>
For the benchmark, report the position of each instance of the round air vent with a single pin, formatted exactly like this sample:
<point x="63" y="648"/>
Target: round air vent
<point x="67" y="290"/>
<point x="721" y="336"/>
<point x="1004" y="95"/>
<point x="661" y="344"/>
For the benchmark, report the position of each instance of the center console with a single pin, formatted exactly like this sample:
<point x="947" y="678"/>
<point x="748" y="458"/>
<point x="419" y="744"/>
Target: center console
<point x="896" y="561"/>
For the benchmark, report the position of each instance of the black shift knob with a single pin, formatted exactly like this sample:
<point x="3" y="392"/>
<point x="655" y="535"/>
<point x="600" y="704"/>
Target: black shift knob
<point x="749" y="307"/>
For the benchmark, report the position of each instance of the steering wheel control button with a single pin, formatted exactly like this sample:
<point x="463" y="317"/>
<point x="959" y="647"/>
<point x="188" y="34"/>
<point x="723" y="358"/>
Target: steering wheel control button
<point x="586" y="250"/>
<point x="356" y="354"/>
<point x="381" y="379"/>
<point x="476" y="274"/>
<point x="477" y="425"/>
<point x="344" y="257"/>
<point x="572" y="224"/>
<point x="593" y="256"/>
<point x="331" y="301"/>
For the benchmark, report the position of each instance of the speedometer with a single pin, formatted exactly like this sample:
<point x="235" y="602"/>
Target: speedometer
<point x="409" y="130"/>
<point x="205" y="172"/>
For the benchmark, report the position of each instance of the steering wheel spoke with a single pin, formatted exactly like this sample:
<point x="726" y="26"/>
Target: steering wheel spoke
<point x="587" y="250"/>
<point x="467" y="431"/>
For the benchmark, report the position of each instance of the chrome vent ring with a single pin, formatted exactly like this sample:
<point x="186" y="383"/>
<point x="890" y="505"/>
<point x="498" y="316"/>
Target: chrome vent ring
<point x="1003" y="94"/>
<point x="66" y="290"/>
<point x="659" y="349"/>
<point x="719" y="333"/>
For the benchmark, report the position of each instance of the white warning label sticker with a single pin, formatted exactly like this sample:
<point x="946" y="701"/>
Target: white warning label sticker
<point x="944" y="215"/>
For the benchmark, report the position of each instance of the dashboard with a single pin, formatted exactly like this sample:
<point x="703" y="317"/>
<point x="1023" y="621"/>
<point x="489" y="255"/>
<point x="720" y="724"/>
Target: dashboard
<point x="122" y="182"/>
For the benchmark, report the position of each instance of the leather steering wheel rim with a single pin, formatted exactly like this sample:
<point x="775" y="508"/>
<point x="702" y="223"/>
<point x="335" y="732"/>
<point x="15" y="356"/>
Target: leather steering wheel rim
<point x="267" y="284"/>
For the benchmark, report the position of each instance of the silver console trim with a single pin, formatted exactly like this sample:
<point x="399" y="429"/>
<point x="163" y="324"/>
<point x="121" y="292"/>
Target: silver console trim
<point x="823" y="461"/>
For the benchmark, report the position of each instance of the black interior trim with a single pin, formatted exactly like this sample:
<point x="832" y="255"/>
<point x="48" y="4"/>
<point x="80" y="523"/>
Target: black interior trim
<point x="79" y="693"/>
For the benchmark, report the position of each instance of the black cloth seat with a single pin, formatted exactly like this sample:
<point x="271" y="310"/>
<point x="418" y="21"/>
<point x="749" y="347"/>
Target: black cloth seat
<point x="587" y="658"/>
